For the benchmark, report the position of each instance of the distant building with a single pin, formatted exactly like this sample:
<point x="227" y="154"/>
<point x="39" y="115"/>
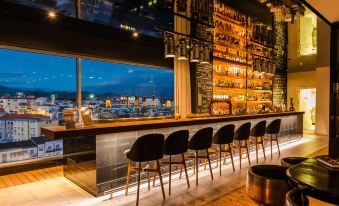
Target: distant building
<point x="21" y="127"/>
<point x="48" y="110"/>
<point x="18" y="104"/>
<point x="18" y="151"/>
<point x="48" y="147"/>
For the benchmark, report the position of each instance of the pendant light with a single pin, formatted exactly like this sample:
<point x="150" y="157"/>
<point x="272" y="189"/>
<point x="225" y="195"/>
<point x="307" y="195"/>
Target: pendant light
<point x="195" y="52"/>
<point x="205" y="55"/>
<point x="169" y="46"/>
<point x="183" y="49"/>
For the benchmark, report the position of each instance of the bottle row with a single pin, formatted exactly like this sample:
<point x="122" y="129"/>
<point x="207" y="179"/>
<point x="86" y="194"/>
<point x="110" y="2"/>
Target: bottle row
<point x="236" y="84"/>
<point x="262" y="34"/>
<point x="220" y="108"/>
<point x="230" y="70"/>
<point x="230" y="28"/>
<point x="229" y="54"/>
<point x="229" y="40"/>
<point x="230" y="13"/>
<point x="242" y="97"/>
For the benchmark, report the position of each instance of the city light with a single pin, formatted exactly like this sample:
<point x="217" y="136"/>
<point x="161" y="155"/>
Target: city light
<point x="91" y="96"/>
<point x="135" y="34"/>
<point x="52" y="14"/>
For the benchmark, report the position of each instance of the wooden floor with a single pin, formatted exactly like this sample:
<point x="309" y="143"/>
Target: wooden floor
<point x="49" y="187"/>
<point x="30" y="176"/>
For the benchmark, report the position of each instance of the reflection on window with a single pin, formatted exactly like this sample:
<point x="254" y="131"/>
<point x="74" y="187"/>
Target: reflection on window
<point x="65" y="7"/>
<point x="34" y="90"/>
<point x="140" y="15"/>
<point x="308" y="34"/>
<point x="113" y="90"/>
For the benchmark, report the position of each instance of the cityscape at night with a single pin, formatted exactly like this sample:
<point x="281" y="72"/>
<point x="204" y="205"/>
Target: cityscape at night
<point x="36" y="88"/>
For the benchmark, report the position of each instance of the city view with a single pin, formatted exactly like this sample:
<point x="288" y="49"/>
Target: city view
<point x="36" y="88"/>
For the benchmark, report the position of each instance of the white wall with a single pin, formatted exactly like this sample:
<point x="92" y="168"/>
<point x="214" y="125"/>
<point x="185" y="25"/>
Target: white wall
<point x="319" y="79"/>
<point x="323" y="100"/>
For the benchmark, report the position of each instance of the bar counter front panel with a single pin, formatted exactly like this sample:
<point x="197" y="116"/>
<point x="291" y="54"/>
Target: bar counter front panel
<point x="103" y="168"/>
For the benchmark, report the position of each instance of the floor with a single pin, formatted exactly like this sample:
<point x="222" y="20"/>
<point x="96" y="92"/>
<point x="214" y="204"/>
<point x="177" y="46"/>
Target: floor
<point x="60" y="191"/>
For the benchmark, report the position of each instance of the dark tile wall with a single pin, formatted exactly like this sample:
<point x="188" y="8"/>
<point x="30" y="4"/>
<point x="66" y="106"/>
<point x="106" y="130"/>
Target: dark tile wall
<point x="111" y="162"/>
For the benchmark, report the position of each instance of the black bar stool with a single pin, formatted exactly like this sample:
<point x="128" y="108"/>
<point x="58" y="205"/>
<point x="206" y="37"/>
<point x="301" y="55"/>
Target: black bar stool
<point x="145" y="149"/>
<point x="201" y="140"/>
<point x="242" y="135"/>
<point x="176" y="144"/>
<point x="258" y="132"/>
<point x="273" y="129"/>
<point x="224" y="136"/>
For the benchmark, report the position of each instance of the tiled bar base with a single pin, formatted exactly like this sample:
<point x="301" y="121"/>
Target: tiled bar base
<point x="111" y="164"/>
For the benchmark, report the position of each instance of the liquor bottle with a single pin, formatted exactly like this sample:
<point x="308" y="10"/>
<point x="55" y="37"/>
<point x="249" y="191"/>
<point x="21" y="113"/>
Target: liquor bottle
<point x="153" y="102"/>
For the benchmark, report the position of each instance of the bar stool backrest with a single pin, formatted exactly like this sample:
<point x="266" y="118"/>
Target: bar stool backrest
<point x="201" y="140"/>
<point x="176" y="143"/>
<point x="243" y="132"/>
<point x="259" y="129"/>
<point x="224" y="135"/>
<point x="147" y="148"/>
<point x="274" y="127"/>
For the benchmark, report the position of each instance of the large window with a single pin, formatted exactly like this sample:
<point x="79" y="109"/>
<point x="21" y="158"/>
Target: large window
<point x="36" y="88"/>
<point x="113" y="90"/>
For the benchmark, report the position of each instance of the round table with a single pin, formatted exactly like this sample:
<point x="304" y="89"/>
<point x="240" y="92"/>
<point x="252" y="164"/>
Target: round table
<point x="316" y="180"/>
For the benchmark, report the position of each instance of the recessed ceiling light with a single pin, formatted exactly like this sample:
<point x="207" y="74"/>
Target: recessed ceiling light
<point x="135" y="34"/>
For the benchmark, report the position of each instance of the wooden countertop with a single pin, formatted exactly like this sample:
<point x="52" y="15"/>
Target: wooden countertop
<point x="115" y="127"/>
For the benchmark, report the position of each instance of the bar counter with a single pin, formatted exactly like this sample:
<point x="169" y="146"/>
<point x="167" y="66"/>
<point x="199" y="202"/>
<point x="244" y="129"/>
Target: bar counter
<point x="99" y="165"/>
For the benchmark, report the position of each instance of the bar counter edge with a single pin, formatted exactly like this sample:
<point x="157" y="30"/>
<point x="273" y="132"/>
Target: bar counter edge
<point x="116" y="127"/>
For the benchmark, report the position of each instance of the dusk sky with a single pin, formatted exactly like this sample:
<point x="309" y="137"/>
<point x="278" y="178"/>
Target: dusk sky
<point x="26" y="70"/>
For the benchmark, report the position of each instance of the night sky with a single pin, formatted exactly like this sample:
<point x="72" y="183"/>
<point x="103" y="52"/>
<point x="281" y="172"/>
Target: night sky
<point x="31" y="71"/>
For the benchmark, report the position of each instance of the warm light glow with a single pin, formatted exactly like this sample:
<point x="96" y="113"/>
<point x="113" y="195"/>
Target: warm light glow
<point x="52" y="14"/>
<point x="135" y="34"/>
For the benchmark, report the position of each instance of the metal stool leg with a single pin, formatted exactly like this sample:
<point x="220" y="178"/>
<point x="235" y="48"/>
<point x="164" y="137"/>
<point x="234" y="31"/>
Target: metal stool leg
<point x="184" y="164"/>
<point x="209" y="163"/>
<point x="128" y="176"/>
<point x="139" y="171"/>
<point x="160" y="178"/>
<point x="231" y="154"/>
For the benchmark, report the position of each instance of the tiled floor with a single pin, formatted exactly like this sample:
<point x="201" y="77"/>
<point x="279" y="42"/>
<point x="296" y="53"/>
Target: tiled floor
<point x="60" y="191"/>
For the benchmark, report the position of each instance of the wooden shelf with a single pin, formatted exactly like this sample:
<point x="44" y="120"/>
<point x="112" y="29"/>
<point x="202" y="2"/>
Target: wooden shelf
<point x="228" y="76"/>
<point x="228" y="33"/>
<point x="260" y="44"/>
<point x="261" y="56"/>
<point x="230" y="47"/>
<point x="259" y="90"/>
<point x="222" y="17"/>
<point x="230" y="61"/>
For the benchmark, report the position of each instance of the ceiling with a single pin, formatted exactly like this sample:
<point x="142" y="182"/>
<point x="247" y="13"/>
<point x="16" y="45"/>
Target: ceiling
<point x="327" y="8"/>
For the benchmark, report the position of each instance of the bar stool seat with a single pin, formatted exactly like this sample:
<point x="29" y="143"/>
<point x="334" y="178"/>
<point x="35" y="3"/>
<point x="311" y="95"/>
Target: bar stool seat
<point x="145" y="149"/>
<point x="258" y="132"/>
<point x="291" y="161"/>
<point x="176" y="144"/>
<point x="296" y="198"/>
<point x="242" y="135"/>
<point x="267" y="184"/>
<point x="273" y="129"/>
<point x="201" y="140"/>
<point x="223" y="137"/>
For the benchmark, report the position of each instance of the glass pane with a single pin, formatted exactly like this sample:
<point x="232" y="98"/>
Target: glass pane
<point x="114" y="90"/>
<point x="65" y="7"/>
<point x="34" y="90"/>
<point x="134" y="15"/>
